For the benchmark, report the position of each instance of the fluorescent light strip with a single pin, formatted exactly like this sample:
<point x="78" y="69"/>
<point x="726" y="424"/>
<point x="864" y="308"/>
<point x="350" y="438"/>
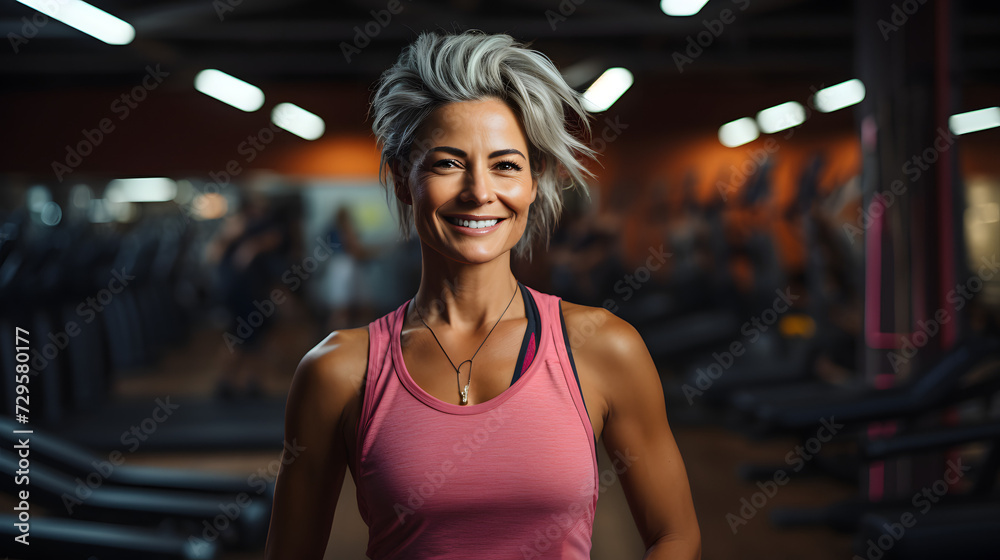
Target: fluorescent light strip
<point x="606" y="89"/>
<point x="974" y="121"/>
<point x="298" y="121"/>
<point x="839" y="96"/>
<point x="229" y="90"/>
<point x="738" y="132"/>
<point x="145" y="189"/>
<point x="82" y="16"/>
<point x="781" y="117"/>
<point x="682" y="7"/>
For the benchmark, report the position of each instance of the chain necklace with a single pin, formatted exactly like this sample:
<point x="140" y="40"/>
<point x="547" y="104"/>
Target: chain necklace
<point x="464" y="392"/>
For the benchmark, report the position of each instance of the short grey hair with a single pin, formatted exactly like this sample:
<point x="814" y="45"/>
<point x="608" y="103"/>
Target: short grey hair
<point x="441" y="68"/>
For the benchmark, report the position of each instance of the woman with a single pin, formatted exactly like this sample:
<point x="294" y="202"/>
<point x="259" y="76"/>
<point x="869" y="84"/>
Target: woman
<point x="469" y="416"/>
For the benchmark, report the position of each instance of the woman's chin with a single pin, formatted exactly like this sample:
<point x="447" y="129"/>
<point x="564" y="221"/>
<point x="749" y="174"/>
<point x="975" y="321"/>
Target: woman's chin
<point x="470" y="249"/>
<point x="473" y="253"/>
<point x="479" y="257"/>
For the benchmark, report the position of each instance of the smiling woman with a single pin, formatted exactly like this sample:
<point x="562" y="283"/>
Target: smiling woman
<point x="438" y="70"/>
<point x="466" y="195"/>
<point x="494" y="457"/>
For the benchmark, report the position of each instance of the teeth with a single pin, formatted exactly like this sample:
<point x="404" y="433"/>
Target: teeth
<point x="474" y="224"/>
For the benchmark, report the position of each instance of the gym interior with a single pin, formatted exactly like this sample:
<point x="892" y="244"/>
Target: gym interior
<point x="797" y="206"/>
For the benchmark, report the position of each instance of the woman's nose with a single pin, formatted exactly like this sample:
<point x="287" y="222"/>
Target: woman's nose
<point x="477" y="186"/>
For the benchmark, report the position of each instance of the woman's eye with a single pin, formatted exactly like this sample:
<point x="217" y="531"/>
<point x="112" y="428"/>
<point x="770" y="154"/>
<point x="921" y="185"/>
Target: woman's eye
<point x="446" y="163"/>
<point x="508" y="166"/>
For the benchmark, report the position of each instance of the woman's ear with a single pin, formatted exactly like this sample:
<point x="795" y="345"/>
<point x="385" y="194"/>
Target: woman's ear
<point x="400" y="183"/>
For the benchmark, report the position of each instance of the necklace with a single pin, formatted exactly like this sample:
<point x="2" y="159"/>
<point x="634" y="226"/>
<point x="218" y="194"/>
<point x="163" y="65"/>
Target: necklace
<point x="464" y="392"/>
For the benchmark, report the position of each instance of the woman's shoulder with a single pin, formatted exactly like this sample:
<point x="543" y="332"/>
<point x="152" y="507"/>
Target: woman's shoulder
<point x="597" y="334"/>
<point x="335" y="366"/>
<point x="597" y="325"/>
<point x="610" y="354"/>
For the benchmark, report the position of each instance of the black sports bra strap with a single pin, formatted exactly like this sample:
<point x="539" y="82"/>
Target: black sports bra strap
<point x="534" y="320"/>
<point x="534" y="326"/>
<point x="569" y="353"/>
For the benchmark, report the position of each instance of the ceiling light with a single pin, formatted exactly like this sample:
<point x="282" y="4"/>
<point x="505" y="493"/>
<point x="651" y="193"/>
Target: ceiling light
<point x="82" y="16"/>
<point x="682" y="7"/>
<point x="738" y="132"/>
<point x="974" y="121"/>
<point x="606" y="89"/>
<point x="298" y="121"/>
<point x="839" y="96"/>
<point x="780" y="117"/>
<point x="229" y="90"/>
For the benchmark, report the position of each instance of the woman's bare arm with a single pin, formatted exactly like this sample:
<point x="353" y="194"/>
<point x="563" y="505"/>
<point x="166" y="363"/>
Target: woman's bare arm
<point x="323" y="402"/>
<point x="637" y="436"/>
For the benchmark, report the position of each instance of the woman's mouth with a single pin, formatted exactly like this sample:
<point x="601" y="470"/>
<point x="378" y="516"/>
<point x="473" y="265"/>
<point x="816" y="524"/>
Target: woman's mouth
<point x="474" y="224"/>
<point x="470" y="226"/>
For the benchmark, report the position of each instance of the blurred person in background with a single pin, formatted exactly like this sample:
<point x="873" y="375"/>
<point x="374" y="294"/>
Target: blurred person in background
<point x="344" y="287"/>
<point x="585" y="259"/>
<point x="247" y="254"/>
<point x="469" y="416"/>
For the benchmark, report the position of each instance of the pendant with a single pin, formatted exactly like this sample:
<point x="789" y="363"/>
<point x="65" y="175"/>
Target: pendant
<point x="458" y="372"/>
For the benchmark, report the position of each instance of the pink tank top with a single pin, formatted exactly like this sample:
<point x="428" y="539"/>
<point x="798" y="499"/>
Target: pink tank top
<point x="513" y="477"/>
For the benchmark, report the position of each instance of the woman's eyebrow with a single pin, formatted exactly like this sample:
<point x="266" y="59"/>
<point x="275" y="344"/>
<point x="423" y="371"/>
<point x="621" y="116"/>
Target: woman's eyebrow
<point x="461" y="153"/>
<point x="448" y="149"/>
<point x="508" y="151"/>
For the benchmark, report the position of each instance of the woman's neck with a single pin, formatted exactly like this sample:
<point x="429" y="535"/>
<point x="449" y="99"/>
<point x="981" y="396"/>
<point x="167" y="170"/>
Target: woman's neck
<point x="466" y="296"/>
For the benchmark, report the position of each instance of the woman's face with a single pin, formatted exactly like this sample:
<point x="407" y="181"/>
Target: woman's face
<point x="470" y="183"/>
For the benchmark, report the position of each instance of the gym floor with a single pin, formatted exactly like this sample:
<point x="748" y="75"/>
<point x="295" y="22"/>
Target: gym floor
<point x="712" y="455"/>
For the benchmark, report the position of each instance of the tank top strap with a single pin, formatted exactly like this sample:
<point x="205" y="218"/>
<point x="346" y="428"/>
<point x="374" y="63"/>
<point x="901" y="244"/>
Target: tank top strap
<point x="379" y="371"/>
